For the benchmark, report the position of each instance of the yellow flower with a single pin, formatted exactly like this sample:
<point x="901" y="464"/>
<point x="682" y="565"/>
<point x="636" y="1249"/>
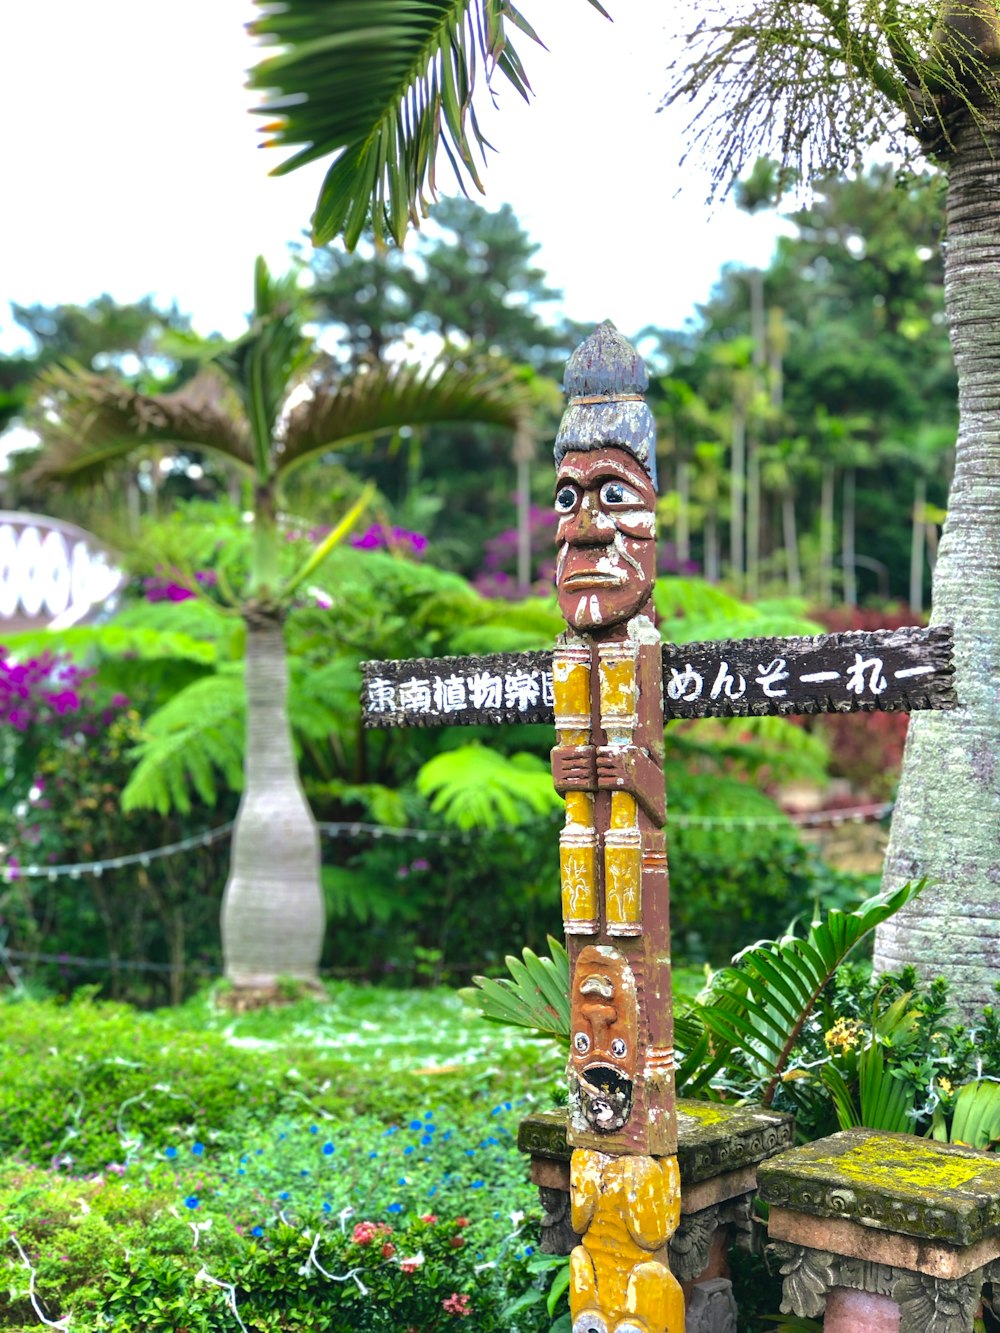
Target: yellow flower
<point x="846" y="1034"/>
<point x="945" y="1084"/>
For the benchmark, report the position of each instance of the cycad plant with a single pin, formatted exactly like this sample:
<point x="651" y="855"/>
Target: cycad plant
<point x="238" y="410"/>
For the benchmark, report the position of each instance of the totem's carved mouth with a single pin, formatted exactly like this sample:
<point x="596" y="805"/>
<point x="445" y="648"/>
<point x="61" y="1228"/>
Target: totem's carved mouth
<point x="605" y="1097"/>
<point x="594" y="578"/>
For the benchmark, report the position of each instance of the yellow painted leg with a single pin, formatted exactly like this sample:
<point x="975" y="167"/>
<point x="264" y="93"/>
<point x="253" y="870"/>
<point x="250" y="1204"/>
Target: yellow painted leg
<point x="626" y="1208"/>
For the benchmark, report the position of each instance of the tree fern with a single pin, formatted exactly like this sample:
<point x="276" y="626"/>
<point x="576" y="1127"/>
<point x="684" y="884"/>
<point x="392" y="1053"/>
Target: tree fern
<point x="193" y="741"/>
<point x="474" y="787"/>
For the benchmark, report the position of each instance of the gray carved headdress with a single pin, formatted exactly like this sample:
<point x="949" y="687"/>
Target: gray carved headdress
<point x="605" y="382"/>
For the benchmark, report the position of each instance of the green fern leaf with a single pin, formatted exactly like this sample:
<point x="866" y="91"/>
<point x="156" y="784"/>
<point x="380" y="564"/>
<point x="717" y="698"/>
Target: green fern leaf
<point x="474" y="787"/>
<point x="190" y="742"/>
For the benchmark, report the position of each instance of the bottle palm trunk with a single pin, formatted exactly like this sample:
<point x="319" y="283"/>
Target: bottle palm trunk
<point x="272" y="910"/>
<point x="947" y="820"/>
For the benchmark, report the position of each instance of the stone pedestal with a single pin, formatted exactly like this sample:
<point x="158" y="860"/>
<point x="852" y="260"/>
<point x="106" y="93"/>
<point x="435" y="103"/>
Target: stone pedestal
<point x="881" y="1232"/>
<point x="718" y="1151"/>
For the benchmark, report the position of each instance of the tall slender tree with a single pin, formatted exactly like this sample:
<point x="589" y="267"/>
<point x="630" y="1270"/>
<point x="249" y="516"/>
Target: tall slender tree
<point x="818" y="83"/>
<point x="240" y="409"/>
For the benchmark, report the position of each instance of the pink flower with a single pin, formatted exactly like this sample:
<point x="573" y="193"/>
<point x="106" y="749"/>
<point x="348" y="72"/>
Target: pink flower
<point x="364" y="1233"/>
<point x="388" y="1250"/>
<point x="411" y="1263"/>
<point x="428" y="1217"/>
<point x="457" y="1305"/>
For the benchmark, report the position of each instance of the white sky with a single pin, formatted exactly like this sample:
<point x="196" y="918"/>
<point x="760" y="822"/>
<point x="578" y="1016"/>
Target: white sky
<point x="130" y="165"/>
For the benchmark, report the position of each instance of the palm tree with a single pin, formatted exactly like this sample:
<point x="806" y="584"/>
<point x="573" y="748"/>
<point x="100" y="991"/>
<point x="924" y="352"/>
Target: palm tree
<point x="819" y="83"/>
<point x="238" y="410"/>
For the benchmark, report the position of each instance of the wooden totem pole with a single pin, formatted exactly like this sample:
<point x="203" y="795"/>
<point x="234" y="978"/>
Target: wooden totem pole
<point x="608" y="687"/>
<point x="608" y="763"/>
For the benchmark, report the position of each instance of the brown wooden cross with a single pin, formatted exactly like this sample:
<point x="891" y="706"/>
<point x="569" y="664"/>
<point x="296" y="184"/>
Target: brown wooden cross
<point x="608" y="687"/>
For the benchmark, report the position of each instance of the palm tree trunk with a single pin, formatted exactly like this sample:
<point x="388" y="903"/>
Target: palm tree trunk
<point x="272" y="910"/>
<point x="826" y="537"/>
<point x="737" y="492"/>
<point x="917" y="547"/>
<point x="683" y="514"/>
<point x="847" y="540"/>
<point x="947" y="820"/>
<point x="791" y="536"/>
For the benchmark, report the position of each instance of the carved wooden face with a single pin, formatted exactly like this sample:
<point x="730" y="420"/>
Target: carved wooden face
<point x="606" y="538"/>
<point x="603" y="1034"/>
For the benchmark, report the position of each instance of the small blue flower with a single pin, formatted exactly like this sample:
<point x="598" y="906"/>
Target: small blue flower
<point x="328" y="1148"/>
<point x="283" y="1194"/>
<point x="257" y="1231"/>
<point x="260" y="1152"/>
<point x="506" y="1106"/>
<point x="197" y="1149"/>
<point x="372" y="1155"/>
<point x="393" y="1129"/>
<point x="303" y="1172"/>
<point x="314" y="1129"/>
<point x="407" y="1150"/>
<point x="395" y="1208"/>
<point x="327" y="1206"/>
<point x="478" y="1184"/>
<point x="432" y="1191"/>
<point x="416" y="1124"/>
<point x="425" y="1139"/>
<point x="282" y="1136"/>
<point x="241" y="1172"/>
<point x="446" y="1136"/>
<point x="470" y="1152"/>
<point x="191" y="1201"/>
<point x="170" y="1152"/>
<point x="428" y="1115"/>
<point x="403" y="1180"/>
<point x="529" y="1249"/>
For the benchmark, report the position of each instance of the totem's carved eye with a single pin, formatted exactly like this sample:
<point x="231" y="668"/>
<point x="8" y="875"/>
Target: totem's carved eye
<point x="582" y="1042"/>
<point x="589" y="1323"/>
<point x="566" y="498"/>
<point x="617" y="493"/>
<point x="618" y="1048"/>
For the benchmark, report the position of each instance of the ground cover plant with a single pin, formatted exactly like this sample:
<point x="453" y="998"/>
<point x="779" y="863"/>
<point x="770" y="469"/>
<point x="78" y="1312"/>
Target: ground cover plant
<point x="342" y="1166"/>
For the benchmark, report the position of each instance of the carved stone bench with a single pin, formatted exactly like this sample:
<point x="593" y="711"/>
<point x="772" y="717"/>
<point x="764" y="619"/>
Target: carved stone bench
<point x="718" y="1150"/>
<point x="884" y="1231"/>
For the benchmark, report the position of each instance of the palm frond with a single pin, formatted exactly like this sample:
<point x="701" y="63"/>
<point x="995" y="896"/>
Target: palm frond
<point x="385" y="397"/>
<point x="382" y="85"/>
<point x="192" y="741"/>
<point x="88" y="422"/>
<point x="273" y="354"/>
<point x="536" y="996"/>
<point x="473" y="787"/>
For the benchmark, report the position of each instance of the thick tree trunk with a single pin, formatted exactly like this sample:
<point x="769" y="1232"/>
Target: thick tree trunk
<point x="947" y="820"/>
<point x="272" y="911"/>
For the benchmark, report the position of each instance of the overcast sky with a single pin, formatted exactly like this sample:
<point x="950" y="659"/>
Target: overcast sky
<point x="130" y="164"/>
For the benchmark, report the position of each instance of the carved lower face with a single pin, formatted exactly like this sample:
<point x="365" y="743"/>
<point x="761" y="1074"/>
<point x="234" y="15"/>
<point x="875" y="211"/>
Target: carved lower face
<point x="606" y="538"/>
<point x="603" y="1035"/>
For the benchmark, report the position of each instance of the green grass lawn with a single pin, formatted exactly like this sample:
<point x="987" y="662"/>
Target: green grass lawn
<point x="340" y="1165"/>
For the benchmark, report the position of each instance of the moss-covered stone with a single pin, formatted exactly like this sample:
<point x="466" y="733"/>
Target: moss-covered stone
<point x="712" y="1138"/>
<point x="895" y="1182"/>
